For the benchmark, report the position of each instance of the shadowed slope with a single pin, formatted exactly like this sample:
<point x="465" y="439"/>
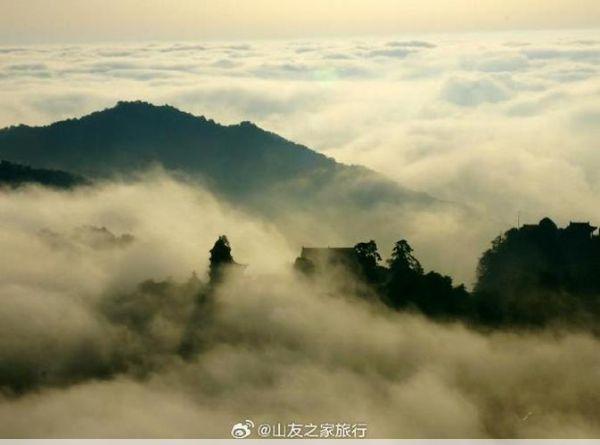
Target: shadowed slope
<point x="237" y="160"/>
<point x="15" y="175"/>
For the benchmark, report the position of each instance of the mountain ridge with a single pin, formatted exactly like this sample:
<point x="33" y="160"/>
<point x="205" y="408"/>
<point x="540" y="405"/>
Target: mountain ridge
<point x="235" y="159"/>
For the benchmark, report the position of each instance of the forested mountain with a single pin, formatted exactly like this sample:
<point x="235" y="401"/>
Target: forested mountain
<point x="238" y="161"/>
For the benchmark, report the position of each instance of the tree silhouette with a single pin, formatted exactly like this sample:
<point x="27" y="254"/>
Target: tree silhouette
<point x="220" y="259"/>
<point x="368" y="259"/>
<point x="402" y="259"/>
<point x="432" y="294"/>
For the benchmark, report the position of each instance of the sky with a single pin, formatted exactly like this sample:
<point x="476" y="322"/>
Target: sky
<point x="109" y="20"/>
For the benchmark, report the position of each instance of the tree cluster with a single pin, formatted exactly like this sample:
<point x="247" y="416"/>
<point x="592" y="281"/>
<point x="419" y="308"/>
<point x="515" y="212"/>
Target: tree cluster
<point x="404" y="285"/>
<point x="532" y="276"/>
<point x="540" y="273"/>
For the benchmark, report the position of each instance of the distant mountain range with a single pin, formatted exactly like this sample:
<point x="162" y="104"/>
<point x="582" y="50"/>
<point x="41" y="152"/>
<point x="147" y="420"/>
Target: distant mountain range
<point x="242" y="164"/>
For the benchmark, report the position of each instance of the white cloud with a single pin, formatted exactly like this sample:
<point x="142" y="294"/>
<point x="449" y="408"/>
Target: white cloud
<point x="474" y="92"/>
<point x="97" y="361"/>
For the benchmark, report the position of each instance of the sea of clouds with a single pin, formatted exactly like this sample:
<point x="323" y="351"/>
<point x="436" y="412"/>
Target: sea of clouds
<point x="505" y="122"/>
<point x="85" y="354"/>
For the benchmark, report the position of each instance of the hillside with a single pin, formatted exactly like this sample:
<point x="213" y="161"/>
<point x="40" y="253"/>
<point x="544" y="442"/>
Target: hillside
<point x="15" y="175"/>
<point x="236" y="160"/>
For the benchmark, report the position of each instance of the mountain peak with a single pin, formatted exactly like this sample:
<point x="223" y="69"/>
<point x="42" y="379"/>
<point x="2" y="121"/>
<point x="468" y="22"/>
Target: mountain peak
<point x="135" y="134"/>
<point x="140" y="105"/>
<point x="143" y="108"/>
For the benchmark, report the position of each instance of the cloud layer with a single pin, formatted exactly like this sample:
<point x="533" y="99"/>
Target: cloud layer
<point x="98" y="356"/>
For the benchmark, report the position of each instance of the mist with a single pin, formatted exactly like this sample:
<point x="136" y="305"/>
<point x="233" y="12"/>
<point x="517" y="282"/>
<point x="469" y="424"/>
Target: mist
<point x="90" y="348"/>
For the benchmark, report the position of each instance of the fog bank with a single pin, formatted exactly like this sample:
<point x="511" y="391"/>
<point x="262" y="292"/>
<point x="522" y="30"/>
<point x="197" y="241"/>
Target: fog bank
<point x="98" y="355"/>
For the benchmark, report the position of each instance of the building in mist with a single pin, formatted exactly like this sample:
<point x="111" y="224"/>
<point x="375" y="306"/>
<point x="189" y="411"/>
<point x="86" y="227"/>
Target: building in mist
<point x="313" y="259"/>
<point x="579" y="230"/>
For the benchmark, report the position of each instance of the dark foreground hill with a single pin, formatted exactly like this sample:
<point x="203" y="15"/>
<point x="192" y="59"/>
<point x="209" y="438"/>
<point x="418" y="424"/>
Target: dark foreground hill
<point x="15" y="175"/>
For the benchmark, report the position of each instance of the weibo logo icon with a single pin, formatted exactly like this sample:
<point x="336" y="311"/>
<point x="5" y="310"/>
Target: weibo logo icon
<point x="242" y="430"/>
